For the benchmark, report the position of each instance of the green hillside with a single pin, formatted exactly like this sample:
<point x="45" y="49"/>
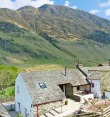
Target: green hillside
<point x="21" y="47"/>
<point x="52" y="35"/>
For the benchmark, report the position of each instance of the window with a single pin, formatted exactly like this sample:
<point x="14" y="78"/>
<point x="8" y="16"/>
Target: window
<point x="17" y="89"/>
<point x="42" y="85"/>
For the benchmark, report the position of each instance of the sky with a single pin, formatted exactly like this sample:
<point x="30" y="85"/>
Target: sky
<point x="100" y="8"/>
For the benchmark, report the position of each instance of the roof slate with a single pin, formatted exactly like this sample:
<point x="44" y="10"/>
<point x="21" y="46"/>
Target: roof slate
<point x="96" y="72"/>
<point x="51" y="79"/>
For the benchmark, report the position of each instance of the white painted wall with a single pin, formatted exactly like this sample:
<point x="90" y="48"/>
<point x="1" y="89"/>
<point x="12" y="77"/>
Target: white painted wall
<point x="96" y="90"/>
<point x="107" y="94"/>
<point x="23" y="98"/>
<point x="88" y="96"/>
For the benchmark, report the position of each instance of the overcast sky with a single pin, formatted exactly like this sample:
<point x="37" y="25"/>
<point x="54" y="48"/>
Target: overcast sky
<point x="98" y="7"/>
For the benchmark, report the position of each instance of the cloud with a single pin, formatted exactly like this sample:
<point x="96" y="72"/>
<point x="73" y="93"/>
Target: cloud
<point x="107" y="12"/>
<point x="94" y="11"/>
<point x="105" y="4"/>
<point x="15" y="4"/>
<point x="67" y="3"/>
<point x="74" y="7"/>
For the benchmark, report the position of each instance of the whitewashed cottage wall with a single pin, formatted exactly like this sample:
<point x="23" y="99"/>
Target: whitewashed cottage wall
<point x="96" y="89"/>
<point x="107" y="94"/>
<point x="23" y="98"/>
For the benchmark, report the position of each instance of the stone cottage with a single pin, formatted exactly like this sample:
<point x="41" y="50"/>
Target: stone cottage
<point x="39" y="92"/>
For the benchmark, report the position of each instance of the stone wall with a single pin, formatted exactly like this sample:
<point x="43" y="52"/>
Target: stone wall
<point x="48" y="107"/>
<point x="69" y="91"/>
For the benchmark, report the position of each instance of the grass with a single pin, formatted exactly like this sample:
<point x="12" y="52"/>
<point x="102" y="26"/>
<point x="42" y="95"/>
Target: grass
<point x="45" y="67"/>
<point x="9" y="91"/>
<point x="7" y="80"/>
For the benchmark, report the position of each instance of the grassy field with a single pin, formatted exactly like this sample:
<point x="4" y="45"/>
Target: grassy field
<point x="44" y="68"/>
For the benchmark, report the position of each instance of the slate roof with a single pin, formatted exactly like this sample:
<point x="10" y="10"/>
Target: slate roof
<point x="104" y="64"/>
<point x="101" y="73"/>
<point x="105" y="82"/>
<point x="96" y="72"/>
<point x="3" y="111"/>
<point x="51" y="79"/>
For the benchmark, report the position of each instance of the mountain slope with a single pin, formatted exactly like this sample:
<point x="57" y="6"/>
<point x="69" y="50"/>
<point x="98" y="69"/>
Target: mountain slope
<point x="63" y="22"/>
<point x="57" y="21"/>
<point x="52" y="34"/>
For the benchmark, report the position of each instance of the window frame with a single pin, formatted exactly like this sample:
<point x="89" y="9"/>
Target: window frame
<point x="42" y="85"/>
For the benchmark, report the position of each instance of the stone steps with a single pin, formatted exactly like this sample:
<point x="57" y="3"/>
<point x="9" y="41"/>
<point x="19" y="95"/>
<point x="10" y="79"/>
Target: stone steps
<point x="53" y="113"/>
<point x="49" y="115"/>
<point x="56" y="111"/>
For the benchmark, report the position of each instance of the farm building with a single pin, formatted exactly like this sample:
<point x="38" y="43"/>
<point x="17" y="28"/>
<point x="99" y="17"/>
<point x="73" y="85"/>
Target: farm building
<point x="39" y="92"/>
